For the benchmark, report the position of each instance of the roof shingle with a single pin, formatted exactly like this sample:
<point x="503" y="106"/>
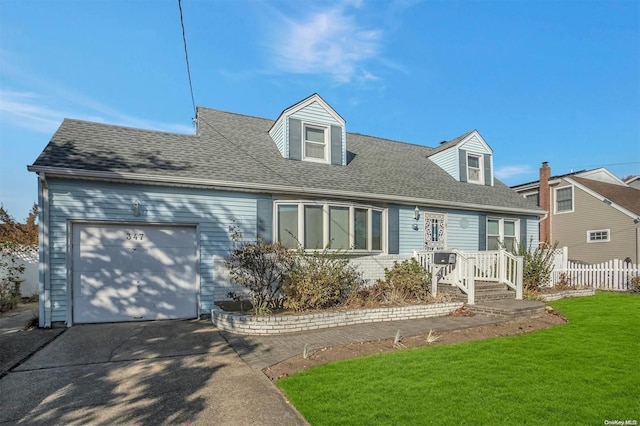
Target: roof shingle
<point x="237" y="148"/>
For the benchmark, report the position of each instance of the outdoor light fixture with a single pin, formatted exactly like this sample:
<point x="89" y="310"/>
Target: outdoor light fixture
<point x="416" y="213"/>
<point x="135" y="205"/>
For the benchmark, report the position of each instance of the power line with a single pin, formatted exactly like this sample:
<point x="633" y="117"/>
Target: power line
<point x="186" y="56"/>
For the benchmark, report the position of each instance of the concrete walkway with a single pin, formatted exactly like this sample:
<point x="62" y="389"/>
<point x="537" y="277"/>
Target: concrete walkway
<point x="144" y="373"/>
<point x="16" y="343"/>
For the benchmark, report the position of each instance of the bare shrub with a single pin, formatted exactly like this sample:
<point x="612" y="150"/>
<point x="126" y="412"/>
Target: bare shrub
<point x="319" y="279"/>
<point x="260" y="267"/>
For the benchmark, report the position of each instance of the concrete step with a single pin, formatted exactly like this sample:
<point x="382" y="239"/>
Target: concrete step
<point x="484" y="291"/>
<point x="509" y="309"/>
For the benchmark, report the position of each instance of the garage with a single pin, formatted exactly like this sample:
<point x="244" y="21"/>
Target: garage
<point x="125" y="272"/>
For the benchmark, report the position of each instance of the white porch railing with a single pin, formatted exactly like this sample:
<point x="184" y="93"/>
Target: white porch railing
<point x="499" y="266"/>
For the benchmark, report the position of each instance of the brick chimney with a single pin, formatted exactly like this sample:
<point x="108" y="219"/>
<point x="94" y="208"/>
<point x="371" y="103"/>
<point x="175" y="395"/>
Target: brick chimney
<point x="545" y="202"/>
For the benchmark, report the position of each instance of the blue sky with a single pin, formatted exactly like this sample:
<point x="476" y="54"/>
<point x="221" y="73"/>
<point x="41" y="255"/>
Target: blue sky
<point x="555" y="81"/>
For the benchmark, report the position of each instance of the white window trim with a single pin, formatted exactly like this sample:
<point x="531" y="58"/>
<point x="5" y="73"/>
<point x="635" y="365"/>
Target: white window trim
<point x="590" y="241"/>
<point x="325" y="223"/>
<point x="501" y="221"/>
<point x="555" y="200"/>
<point x="480" y="166"/>
<point x="327" y="145"/>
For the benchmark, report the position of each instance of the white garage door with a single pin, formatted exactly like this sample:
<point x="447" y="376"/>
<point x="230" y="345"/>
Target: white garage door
<point x="133" y="273"/>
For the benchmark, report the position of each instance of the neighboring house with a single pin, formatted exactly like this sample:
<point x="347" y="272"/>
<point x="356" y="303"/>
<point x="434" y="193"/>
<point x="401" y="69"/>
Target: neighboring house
<point x="633" y="181"/>
<point x="136" y="223"/>
<point x="592" y="212"/>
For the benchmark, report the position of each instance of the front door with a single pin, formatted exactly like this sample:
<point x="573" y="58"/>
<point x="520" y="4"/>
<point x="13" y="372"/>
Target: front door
<point x="435" y="231"/>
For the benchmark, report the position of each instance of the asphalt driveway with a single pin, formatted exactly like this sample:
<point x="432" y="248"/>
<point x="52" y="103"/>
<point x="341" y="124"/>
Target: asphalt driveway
<point x="164" y="372"/>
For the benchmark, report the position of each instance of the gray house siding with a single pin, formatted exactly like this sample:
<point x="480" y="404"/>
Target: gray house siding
<point x="213" y="212"/>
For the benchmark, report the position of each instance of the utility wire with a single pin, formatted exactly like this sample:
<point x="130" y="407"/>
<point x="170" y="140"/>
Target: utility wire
<point x="186" y="56"/>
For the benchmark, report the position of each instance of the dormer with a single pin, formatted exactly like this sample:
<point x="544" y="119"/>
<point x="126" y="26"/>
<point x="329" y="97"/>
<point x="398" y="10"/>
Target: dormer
<point x="311" y="131"/>
<point x="467" y="158"/>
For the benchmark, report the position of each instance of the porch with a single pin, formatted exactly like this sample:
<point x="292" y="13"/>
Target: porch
<point x="482" y="275"/>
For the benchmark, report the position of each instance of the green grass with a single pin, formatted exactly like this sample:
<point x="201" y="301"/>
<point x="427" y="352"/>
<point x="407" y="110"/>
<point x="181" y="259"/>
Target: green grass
<point x="584" y="372"/>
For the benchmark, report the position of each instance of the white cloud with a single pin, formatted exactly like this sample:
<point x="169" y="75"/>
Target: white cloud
<point x="507" y="172"/>
<point x="40" y="113"/>
<point x="328" y="42"/>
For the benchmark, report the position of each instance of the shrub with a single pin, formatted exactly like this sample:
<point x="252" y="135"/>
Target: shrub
<point x="407" y="280"/>
<point x="261" y="268"/>
<point x="538" y="264"/>
<point x="318" y="280"/>
<point x="634" y="284"/>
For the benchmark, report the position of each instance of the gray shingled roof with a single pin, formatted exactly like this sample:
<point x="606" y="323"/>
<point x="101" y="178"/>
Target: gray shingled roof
<point x="448" y="144"/>
<point x="237" y="148"/>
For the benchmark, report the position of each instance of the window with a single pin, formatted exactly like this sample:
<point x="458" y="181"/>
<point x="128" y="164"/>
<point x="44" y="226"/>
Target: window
<point x="288" y="225"/>
<point x="474" y="168"/>
<point x="564" y="199"/>
<point x="598" y="236"/>
<point x="315" y="143"/>
<point x="502" y="231"/>
<point x="533" y="198"/>
<point x="315" y="225"/>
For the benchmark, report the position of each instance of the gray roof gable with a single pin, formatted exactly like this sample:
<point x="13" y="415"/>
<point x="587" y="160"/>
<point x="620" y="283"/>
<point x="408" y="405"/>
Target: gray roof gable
<point x="236" y="148"/>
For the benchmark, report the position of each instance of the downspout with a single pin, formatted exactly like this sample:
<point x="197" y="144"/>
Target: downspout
<point x="44" y="271"/>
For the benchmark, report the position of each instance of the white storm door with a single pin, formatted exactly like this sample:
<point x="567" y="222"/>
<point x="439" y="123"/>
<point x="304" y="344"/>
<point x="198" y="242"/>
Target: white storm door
<point x="133" y="273"/>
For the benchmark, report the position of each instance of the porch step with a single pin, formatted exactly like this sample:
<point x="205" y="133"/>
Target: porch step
<point x="509" y="309"/>
<point x="484" y="291"/>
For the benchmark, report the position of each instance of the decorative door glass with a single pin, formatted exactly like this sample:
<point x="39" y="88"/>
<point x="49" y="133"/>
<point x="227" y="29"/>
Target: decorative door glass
<point x="435" y="231"/>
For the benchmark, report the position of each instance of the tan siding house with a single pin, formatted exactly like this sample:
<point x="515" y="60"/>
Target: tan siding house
<point x="593" y="213"/>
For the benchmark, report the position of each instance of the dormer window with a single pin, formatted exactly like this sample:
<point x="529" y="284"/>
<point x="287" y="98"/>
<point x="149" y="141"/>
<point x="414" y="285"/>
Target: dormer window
<point x="315" y="143"/>
<point x="475" y="168"/>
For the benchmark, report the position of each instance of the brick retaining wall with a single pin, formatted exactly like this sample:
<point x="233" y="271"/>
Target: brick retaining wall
<point x="549" y="297"/>
<point x="279" y="324"/>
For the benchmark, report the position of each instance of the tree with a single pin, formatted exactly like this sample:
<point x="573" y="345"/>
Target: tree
<point x="21" y="233"/>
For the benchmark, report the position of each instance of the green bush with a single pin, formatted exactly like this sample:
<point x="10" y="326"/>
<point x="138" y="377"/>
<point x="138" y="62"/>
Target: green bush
<point x="406" y="281"/>
<point x="319" y="279"/>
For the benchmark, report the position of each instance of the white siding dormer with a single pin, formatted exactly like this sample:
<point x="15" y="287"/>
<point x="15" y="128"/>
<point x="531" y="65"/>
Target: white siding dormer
<point x="467" y="159"/>
<point x="311" y="131"/>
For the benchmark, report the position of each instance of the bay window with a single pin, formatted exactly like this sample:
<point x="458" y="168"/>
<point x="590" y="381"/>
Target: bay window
<point x="316" y="225"/>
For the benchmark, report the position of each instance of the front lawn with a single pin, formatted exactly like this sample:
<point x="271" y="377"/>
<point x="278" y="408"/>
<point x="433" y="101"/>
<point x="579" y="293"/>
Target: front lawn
<point x="584" y="372"/>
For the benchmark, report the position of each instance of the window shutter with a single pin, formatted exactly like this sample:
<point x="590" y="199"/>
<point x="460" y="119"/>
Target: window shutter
<point x="482" y="234"/>
<point x="336" y="145"/>
<point x="487" y="170"/>
<point x="264" y="216"/>
<point x="463" y="164"/>
<point x="394" y="229"/>
<point x="523" y="231"/>
<point x="295" y="139"/>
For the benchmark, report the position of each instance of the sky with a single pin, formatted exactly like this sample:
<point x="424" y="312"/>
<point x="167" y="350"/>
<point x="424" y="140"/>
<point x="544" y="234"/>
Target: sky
<point x="555" y="81"/>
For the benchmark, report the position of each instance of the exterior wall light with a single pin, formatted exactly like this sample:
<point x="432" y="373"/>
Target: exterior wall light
<point x="416" y="213"/>
<point x="135" y="205"/>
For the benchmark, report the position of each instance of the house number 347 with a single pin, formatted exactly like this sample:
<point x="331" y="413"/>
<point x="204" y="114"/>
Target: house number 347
<point x="134" y="236"/>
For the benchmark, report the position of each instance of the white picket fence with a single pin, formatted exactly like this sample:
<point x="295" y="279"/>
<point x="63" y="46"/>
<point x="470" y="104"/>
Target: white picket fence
<point x="28" y="257"/>
<point x="612" y="275"/>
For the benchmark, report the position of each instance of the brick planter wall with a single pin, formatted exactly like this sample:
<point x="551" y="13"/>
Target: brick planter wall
<point x="279" y="324"/>
<point x="568" y="293"/>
